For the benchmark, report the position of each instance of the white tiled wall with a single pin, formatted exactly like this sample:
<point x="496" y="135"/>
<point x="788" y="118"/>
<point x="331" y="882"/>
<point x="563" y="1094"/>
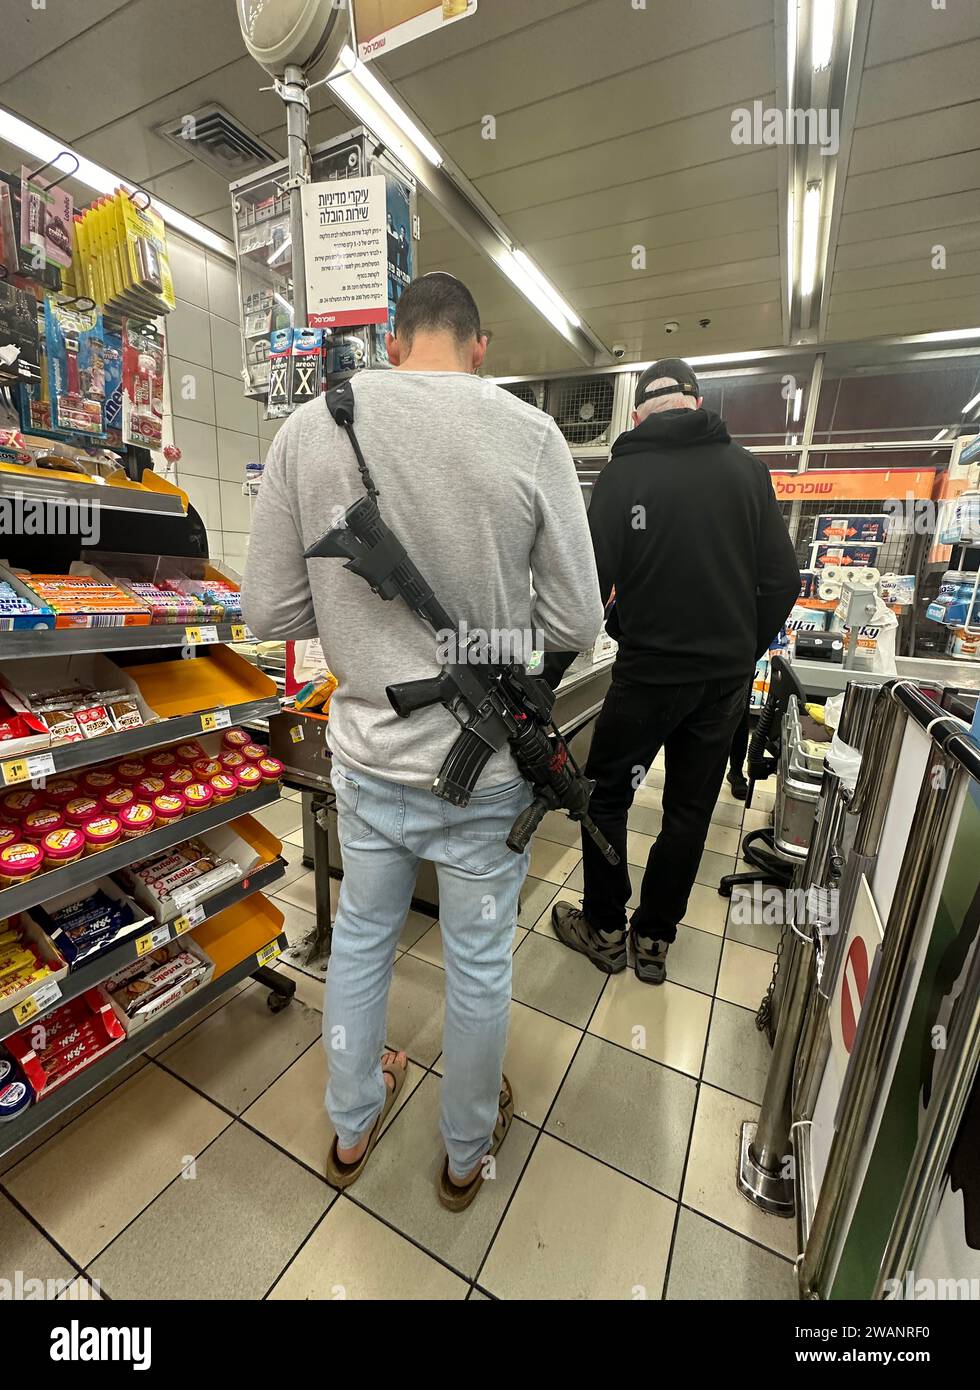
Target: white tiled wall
<point x="209" y="418"/>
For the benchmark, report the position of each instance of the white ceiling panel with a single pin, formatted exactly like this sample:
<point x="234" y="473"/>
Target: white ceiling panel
<point x="923" y="83"/>
<point x="30" y="34"/>
<point x="926" y="135"/>
<point x="918" y="28"/>
<point x="932" y="178"/>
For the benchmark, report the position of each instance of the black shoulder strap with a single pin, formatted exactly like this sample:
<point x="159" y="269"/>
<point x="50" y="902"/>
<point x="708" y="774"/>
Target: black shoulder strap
<point x="340" y="403"/>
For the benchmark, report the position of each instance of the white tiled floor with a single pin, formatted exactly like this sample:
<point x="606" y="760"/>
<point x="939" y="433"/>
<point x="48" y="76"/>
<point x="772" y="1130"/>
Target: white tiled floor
<point x="617" y="1180"/>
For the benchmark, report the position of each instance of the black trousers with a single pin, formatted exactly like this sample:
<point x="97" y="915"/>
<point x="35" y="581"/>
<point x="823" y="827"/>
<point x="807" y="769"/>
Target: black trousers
<point x="740" y="743"/>
<point x="694" y="725"/>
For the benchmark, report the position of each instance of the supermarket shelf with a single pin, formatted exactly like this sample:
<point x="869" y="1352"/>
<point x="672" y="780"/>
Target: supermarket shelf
<point x="31" y="483"/>
<point x="101" y="967"/>
<point x="35" y="1118"/>
<point x="67" y="641"/>
<point x="92" y="866"/>
<point x="69" y="756"/>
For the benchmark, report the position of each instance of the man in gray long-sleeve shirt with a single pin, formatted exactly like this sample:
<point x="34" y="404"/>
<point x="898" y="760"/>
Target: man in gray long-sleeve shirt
<point x="482" y="491"/>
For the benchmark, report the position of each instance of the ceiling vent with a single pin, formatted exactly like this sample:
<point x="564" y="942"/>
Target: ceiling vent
<point x="218" y="140"/>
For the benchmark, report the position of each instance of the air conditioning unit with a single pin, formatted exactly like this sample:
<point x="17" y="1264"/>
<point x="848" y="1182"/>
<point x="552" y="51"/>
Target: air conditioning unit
<point x="591" y="411"/>
<point x="531" y="392"/>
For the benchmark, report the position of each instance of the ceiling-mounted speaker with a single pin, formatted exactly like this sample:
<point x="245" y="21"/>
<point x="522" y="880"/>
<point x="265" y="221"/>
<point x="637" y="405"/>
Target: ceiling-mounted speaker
<point x="307" y="34"/>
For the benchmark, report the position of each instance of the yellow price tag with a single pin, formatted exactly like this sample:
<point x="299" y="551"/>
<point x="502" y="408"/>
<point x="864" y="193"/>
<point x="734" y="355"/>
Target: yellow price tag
<point x="15" y="770"/>
<point x="180" y="924"/>
<point x="209" y="722"/>
<point x="192" y="635"/>
<point x="268" y="953"/>
<point x="153" y="939"/>
<point x="239" y="632"/>
<point x="26" y="1010"/>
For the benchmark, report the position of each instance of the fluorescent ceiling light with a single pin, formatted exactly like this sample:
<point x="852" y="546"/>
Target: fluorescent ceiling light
<point x="526" y="264"/>
<point x="951" y="335"/>
<point x="937" y="437"/>
<point x="970" y="405"/>
<point x="43" y="148"/>
<point x="531" y="288"/>
<point x="823" y="19"/>
<point x="810" y="252"/>
<point x="792" y="22"/>
<point x="798" y="403"/>
<point x="355" y="81"/>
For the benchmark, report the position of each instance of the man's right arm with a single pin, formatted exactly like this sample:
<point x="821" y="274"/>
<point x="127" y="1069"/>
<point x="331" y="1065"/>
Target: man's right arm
<point x="778" y="573"/>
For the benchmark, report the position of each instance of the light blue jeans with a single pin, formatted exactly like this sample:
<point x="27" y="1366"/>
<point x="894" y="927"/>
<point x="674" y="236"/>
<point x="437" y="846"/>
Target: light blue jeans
<point x="385" y="830"/>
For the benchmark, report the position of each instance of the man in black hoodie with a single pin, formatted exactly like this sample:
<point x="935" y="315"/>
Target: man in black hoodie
<point x="688" y="536"/>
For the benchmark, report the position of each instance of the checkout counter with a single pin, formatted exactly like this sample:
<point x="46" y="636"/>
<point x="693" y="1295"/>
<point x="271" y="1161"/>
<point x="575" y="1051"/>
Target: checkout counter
<point x="823" y="679"/>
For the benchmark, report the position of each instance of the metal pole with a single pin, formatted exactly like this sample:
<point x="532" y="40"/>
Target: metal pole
<point x="921" y="1193"/>
<point x="292" y="90"/>
<point x="879" y="1019"/>
<point x="763" y="1176"/>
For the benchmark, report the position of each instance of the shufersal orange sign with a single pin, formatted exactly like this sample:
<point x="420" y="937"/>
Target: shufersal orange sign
<point x="854" y="484"/>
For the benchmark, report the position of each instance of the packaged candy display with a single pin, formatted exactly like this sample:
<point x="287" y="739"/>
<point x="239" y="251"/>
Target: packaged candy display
<point x="73" y="1036"/>
<point x="121" y="258"/>
<point x="21" y="612"/>
<point x="27" y="960"/>
<point x="101" y="832"/>
<point x="81" y="600"/>
<point x="158" y="981"/>
<point x="19" y="862"/>
<point x="73" y="709"/>
<point x="75" y="351"/>
<point x="62" y="846"/>
<point x="142" y="382"/>
<point x="166" y="605"/>
<point x="173" y="882"/>
<point x="88" y="921"/>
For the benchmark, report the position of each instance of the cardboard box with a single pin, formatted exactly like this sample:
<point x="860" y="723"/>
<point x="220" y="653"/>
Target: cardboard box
<point x="34" y="934"/>
<point x="169" y="998"/>
<point x="95" y="1010"/>
<point x="43" y="917"/>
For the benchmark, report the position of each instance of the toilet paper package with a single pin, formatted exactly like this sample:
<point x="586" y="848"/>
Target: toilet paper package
<point x="844" y="556"/>
<point x="851" y="530"/>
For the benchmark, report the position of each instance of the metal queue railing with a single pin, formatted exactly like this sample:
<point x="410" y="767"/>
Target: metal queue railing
<point x="847" y="837"/>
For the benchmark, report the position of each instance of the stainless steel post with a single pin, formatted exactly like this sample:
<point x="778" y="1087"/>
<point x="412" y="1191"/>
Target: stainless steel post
<point x="923" y="853"/>
<point x="764" y="1175"/>
<point x="292" y="90"/>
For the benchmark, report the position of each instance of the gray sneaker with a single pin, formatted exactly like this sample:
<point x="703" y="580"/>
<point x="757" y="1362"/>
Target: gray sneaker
<point x="650" y="959"/>
<point x="605" y="949"/>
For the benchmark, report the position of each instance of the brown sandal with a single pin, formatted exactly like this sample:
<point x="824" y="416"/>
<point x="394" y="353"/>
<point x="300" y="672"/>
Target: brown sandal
<point x="343" y="1174"/>
<point x="450" y="1194"/>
